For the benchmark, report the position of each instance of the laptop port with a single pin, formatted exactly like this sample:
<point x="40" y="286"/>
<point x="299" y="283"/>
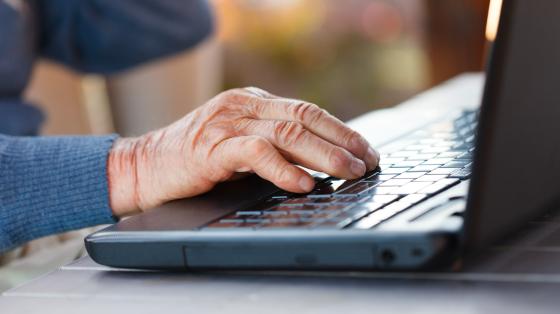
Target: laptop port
<point x="387" y="256"/>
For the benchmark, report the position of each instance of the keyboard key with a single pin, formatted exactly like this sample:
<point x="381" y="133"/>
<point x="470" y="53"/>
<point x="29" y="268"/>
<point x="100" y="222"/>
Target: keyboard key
<point x="381" y="177"/>
<point x="456" y="164"/>
<point x="231" y="223"/>
<point x="301" y="212"/>
<point x="412" y="187"/>
<point x="333" y="207"/>
<point x="324" y="214"/>
<point x="410" y="175"/>
<point x="334" y="222"/>
<point x="461" y="146"/>
<point x="396" y="207"/>
<point x="290" y="208"/>
<point x="445" y="171"/>
<point x="381" y="215"/>
<point x="434" y="150"/>
<point x="461" y="174"/>
<point x="382" y="199"/>
<point x="413" y="198"/>
<point x="384" y="190"/>
<point x="439" y="186"/>
<point x="445" y="144"/>
<point x="347" y="217"/>
<point x="372" y="219"/>
<point x="431" y="178"/>
<point x="466" y="131"/>
<point x="437" y="161"/>
<point x="335" y="184"/>
<point x="232" y="220"/>
<point x="373" y="206"/>
<point x="423" y="157"/>
<point x="390" y="161"/>
<point x="450" y="154"/>
<point x="403" y="153"/>
<point x="286" y="223"/>
<point x="407" y="164"/>
<point x="248" y="213"/>
<point x="341" y="199"/>
<point x="259" y="220"/>
<point x="271" y="214"/>
<point x="396" y="182"/>
<point x="423" y="168"/>
<point x="297" y="201"/>
<point x="467" y="156"/>
<point x="358" y="188"/>
<point x="418" y="147"/>
<point x="394" y="170"/>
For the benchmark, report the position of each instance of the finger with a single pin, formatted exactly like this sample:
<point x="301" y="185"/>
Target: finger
<point x="306" y="148"/>
<point x="259" y="155"/>
<point x="259" y="92"/>
<point x="317" y="121"/>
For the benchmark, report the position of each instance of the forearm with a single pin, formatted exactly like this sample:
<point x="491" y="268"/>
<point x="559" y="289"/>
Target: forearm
<point x="50" y="185"/>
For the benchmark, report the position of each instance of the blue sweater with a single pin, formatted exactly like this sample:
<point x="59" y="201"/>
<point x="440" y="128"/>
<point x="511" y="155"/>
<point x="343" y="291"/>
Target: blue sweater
<point x="55" y="184"/>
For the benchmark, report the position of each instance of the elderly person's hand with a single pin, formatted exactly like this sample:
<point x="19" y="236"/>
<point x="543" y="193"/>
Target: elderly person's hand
<point x="241" y="130"/>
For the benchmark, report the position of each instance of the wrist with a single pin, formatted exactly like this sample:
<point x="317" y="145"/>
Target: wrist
<point x="122" y="177"/>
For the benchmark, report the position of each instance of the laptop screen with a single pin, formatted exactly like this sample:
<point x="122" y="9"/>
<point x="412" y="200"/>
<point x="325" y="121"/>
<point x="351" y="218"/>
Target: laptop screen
<point x="517" y="161"/>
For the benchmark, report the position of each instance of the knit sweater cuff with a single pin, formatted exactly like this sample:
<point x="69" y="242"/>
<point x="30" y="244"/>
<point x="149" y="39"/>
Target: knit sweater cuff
<point x="50" y="185"/>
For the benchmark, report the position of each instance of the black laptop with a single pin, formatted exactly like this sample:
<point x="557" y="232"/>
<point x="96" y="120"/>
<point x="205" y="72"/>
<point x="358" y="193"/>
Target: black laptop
<point x="447" y="189"/>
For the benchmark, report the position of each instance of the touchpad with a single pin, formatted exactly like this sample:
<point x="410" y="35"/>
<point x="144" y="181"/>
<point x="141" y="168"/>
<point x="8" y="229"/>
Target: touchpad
<point x="194" y="212"/>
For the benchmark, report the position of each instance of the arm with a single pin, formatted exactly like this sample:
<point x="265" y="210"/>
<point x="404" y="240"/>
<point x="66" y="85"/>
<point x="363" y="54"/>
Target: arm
<point x="50" y="185"/>
<point x="54" y="184"/>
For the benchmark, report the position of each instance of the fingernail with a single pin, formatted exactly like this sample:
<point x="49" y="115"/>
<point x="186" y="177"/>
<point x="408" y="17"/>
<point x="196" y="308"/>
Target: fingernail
<point x="371" y="158"/>
<point x="306" y="183"/>
<point x="358" y="167"/>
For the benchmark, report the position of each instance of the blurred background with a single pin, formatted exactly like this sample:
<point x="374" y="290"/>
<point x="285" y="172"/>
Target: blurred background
<point x="348" y="56"/>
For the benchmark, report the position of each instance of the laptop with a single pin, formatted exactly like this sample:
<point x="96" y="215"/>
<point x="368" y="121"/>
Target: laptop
<point x="442" y="191"/>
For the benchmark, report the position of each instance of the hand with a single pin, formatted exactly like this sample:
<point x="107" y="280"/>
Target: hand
<point x="241" y="130"/>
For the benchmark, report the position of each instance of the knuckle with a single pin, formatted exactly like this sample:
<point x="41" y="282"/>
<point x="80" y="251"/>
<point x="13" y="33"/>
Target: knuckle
<point x="353" y="139"/>
<point x="338" y="159"/>
<point x="284" y="175"/>
<point x="256" y="91"/>
<point x="288" y="133"/>
<point x="304" y="111"/>
<point x="231" y="96"/>
<point x="258" y="147"/>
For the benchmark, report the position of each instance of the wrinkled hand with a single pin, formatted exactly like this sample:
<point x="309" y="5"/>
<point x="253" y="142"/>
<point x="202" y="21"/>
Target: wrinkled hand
<point x="241" y="130"/>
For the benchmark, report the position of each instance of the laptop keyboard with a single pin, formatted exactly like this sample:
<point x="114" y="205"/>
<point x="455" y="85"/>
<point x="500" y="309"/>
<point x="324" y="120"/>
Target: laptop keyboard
<point x="433" y="160"/>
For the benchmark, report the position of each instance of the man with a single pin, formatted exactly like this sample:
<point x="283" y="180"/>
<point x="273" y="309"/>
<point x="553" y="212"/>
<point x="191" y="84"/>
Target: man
<point x="51" y="185"/>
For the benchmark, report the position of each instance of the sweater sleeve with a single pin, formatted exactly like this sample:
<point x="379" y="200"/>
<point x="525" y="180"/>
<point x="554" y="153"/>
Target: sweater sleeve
<point x="52" y="184"/>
